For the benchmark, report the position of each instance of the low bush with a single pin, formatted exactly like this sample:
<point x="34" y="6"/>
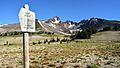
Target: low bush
<point x="93" y="66"/>
<point x="34" y="43"/>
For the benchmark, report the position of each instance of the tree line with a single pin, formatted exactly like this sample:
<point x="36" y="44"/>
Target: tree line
<point x="86" y="34"/>
<point x="53" y="40"/>
<point x="20" y="33"/>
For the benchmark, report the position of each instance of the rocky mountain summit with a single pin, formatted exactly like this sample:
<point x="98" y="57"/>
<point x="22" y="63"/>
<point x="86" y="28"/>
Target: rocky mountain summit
<point x="57" y="26"/>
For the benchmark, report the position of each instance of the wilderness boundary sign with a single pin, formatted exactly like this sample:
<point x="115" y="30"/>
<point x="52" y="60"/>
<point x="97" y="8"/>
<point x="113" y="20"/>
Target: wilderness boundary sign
<point x="27" y="20"/>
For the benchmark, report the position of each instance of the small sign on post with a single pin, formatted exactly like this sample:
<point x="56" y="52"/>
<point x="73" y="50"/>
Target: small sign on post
<point x="27" y="23"/>
<point x="27" y="19"/>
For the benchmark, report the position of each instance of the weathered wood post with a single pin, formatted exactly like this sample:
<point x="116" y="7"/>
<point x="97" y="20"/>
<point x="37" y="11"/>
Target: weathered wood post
<point x="26" y="49"/>
<point x="27" y="22"/>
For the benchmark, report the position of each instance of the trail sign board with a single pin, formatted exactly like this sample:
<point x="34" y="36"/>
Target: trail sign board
<point x="27" y="20"/>
<point x="27" y="23"/>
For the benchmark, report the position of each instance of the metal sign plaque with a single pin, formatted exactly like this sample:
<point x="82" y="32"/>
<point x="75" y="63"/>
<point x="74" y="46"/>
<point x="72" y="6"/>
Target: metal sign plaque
<point x="27" y="20"/>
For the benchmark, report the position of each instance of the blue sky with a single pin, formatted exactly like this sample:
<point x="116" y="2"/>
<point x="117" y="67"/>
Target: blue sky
<point x="74" y="10"/>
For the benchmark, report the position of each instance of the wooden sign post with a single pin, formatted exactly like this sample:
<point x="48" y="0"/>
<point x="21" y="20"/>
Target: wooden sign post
<point x="26" y="50"/>
<point x="27" y="23"/>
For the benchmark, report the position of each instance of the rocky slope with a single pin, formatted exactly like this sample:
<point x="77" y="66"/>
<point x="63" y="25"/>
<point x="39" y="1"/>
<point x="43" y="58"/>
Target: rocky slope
<point x="98" y="23"/>
<point x="57" y="26"/>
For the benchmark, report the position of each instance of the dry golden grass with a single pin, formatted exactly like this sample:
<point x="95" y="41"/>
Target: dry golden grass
<point x="78" y="53"/>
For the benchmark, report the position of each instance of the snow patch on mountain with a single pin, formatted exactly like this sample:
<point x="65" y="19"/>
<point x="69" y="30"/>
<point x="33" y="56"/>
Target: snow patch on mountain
<point x="1" y="25"/>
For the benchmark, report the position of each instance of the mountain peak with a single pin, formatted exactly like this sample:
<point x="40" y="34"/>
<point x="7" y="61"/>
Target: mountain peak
<point x="55" y="20"/>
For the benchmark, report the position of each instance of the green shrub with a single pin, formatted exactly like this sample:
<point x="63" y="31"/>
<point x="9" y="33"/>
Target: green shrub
<point x="81" y="35"/>
<point x="93" y="66"/>
<point x="57" y="39"/>
<point x="34" y="43"/>
<point x="45" y="41"/>
<point x="64" y="40"/>
<point x="52" y="40"/>
<point x="49" y="42"/>
<point x="39" y="42"/>
<point x="107" y="28"/>
<point x="9" y="66"/>
<point x="85" y="34"/>
<point x="116" y="28"/>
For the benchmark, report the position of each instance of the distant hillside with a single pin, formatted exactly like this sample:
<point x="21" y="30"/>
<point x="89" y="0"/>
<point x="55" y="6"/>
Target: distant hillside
<point x="53" y="25"/>
<point x="9" y="28"/>
<point x="57" y="26"/>
<point x="98" y="23"/>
